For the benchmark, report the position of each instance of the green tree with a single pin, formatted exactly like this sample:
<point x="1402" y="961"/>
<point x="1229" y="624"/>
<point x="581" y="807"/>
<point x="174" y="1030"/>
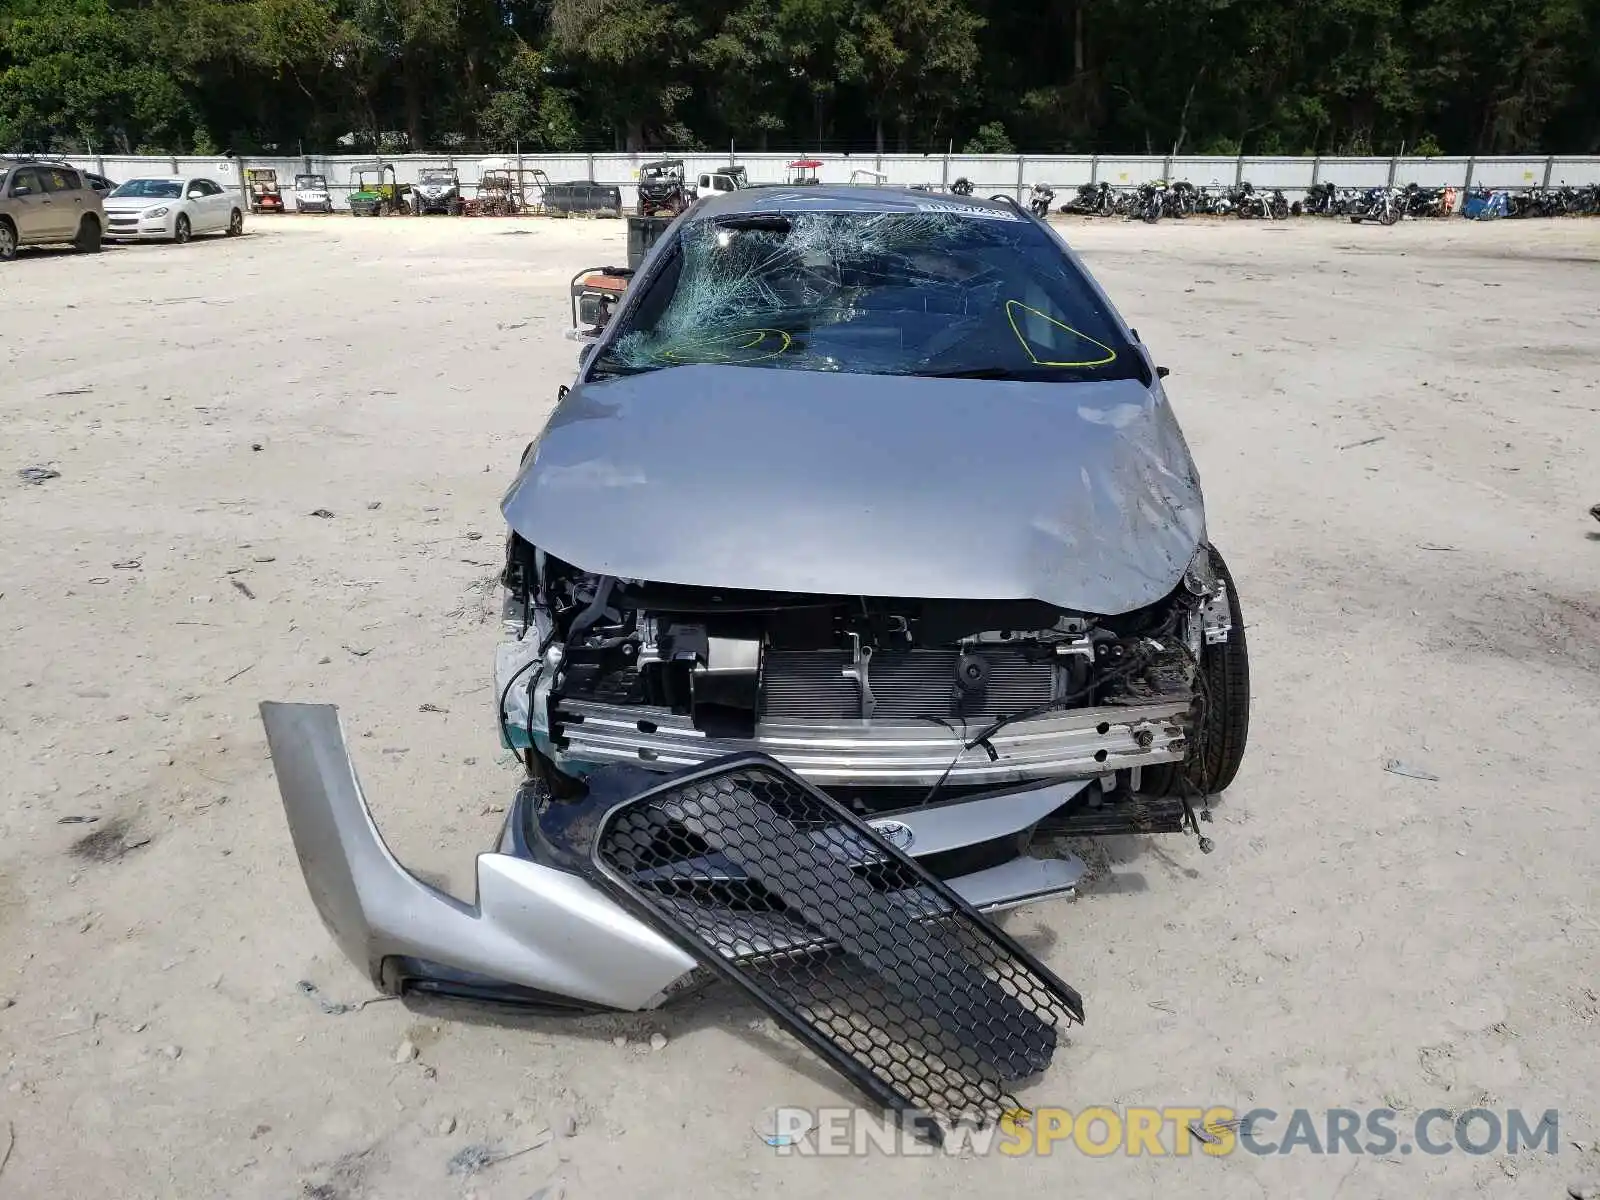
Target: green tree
<point x="990" y="139"/>
<point x="525" y="109"/>
<point x="631" y="58"/>
<point x="78" y="75"/>
<point x="909" y="57"/>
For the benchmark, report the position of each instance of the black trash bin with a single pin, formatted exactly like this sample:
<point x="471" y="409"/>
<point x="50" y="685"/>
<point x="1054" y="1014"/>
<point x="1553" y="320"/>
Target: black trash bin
<point x="644" y="232"/>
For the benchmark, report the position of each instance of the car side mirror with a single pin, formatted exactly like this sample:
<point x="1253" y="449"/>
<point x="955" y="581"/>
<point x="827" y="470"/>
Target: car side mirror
<point x="1163" y="372"/>
<point x="21" y="189"/>
<point x="195" y="193"/>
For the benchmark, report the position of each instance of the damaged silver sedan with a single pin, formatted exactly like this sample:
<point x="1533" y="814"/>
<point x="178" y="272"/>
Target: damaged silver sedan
<point x="863" y="560"/>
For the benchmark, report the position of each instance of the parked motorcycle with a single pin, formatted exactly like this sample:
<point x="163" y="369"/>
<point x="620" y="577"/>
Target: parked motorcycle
<point x="1321" y="200"/>
<point x="1091" y="200"/>
<point x="1039" y="198"/>
<point x="1417" y="201"/>
<point x="1212" y="201"/>
<point x="1246" y="203"/>
<point x="1183" y="198"/>
<point x="1378" y="204"/>
<point x="1152" y="201"/>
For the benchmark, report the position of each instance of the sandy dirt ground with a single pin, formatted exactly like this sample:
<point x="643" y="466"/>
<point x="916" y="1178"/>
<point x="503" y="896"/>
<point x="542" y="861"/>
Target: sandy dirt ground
<point x="1398" y="433"/>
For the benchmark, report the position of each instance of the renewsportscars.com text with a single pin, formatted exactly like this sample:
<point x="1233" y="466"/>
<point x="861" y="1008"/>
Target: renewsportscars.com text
<point x="1179" y="1131"/>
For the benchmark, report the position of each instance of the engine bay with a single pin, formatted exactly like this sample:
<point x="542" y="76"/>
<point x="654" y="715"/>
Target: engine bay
<point x="729" y="661"/>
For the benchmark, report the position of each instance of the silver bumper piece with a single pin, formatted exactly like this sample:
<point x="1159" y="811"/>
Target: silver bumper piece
<point x="532" y="926"/>
<point x="1081" y="742"/>
<point x="550" y="931"/>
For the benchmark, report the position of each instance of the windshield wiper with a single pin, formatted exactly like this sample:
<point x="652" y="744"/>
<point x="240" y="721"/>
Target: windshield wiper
<point x="1021" y="373"/>
<point x="1037" y="374"/>
<point x="769" y="223"/>
<point x="606" y="367"/>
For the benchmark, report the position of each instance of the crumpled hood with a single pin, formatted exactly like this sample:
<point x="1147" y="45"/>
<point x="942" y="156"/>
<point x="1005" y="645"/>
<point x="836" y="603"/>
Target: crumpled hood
<point x="1080" y="495"/>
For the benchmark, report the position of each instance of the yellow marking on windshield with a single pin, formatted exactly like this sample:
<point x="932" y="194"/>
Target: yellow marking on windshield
<point x="702" y="350"/>
<point x="1011" y="316"/>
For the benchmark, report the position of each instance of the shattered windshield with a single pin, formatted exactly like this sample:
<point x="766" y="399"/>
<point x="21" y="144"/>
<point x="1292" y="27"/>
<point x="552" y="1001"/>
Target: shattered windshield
<point x="881" y="293"/>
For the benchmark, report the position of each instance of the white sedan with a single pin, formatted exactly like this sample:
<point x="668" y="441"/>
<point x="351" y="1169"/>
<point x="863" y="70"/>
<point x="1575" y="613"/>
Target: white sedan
<point x="173" y="208"/>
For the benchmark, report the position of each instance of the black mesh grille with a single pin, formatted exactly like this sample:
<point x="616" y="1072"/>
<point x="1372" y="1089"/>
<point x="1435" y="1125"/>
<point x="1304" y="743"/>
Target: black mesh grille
<point x="854" y="947"/>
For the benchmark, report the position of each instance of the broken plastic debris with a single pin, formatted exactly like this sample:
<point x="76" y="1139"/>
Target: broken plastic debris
<point x="37" y="474"/>
<point x="335" y="1008"/>
<point x="1395" y="767"/>
<point x="789" y="1129"/>
<point x="469" y="1160"/>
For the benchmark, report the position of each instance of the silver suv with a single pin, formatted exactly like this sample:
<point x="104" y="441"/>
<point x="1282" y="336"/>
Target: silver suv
<point x="45" y="202"/>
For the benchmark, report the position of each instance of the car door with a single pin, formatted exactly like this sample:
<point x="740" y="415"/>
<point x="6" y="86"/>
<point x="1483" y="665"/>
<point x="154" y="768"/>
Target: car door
<point x="220" y="200"/>
<point x="197" y="203"/>
<point x="65" y="191"/>
<point x="31" y="208"/>
<point x="226" y="200"/>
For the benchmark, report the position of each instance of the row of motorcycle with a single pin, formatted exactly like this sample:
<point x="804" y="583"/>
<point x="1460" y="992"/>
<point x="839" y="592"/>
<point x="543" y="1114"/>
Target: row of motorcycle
<point x="1152" y="201"/>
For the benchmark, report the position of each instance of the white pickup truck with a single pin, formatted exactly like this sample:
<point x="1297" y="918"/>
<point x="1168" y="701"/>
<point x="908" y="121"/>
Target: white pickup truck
<point x="724" y="179"/>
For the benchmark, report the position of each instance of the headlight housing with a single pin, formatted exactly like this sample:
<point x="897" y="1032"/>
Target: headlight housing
<point x="157" y="212"/>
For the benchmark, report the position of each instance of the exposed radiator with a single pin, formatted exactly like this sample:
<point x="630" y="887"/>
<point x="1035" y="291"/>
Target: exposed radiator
<point x="810" y="685"/>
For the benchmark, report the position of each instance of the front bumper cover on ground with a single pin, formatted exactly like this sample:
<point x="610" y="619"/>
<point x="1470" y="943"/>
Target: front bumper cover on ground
<point x="769" y="883"/>
<point x="541" y="931"/>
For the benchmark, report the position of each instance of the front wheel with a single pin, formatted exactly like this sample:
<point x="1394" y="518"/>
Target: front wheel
<point x="1389" y="216"/>
<point x="182" y="231"/>
<point x="88" y="239"/>
<point x="1223" y="682"/>
<point x="235" y="223"/>
<point x="8" y="241"/>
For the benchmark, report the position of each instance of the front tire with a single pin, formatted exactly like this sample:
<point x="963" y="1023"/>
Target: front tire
<point x="88" y="239"/>
<point x="235" y="223"/>
<point x="8" y="241"/>
<point x="182" y="231"/>
<point x="1219" y="741"/>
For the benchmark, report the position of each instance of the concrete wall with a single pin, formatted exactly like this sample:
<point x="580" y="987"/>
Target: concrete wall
<point x="990" y="174"/>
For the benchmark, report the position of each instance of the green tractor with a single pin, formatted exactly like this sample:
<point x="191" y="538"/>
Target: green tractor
<point x="377" y="193"/>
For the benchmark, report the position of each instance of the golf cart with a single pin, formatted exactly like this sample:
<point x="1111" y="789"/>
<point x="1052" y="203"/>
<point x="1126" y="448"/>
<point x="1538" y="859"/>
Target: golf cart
<point x="724" y="179"/>
<point x="438" y="191"/>
<point x="661" y="188"/>
<point x="371" y="196"/>
<point x="264" y="193"/>
<point x="803" y="171"/>
<point x="311" y="194"/>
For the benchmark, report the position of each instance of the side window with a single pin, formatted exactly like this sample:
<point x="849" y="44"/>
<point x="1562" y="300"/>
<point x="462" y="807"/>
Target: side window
<point x="61" y="179"/>
<point x="203" y="187"/>
<point x="705" y="182"/>
<point x="23" y="181"/>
